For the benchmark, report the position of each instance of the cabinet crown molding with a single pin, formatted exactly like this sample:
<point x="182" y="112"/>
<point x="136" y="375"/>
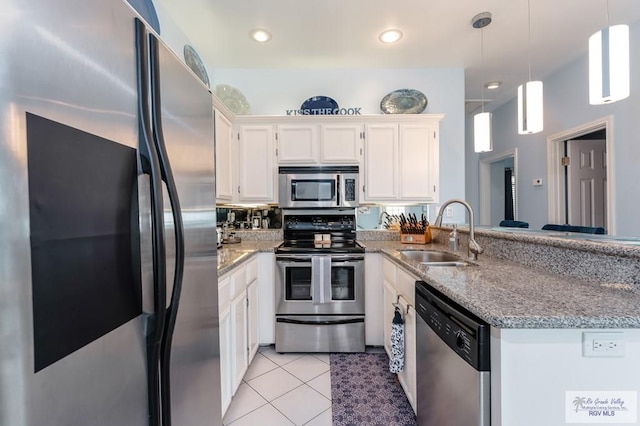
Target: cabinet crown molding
<point x="369" y="118"/>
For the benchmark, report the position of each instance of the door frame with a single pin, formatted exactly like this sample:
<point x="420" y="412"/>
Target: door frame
<point x="485" y="183"/>
<point x="555" y="172"/>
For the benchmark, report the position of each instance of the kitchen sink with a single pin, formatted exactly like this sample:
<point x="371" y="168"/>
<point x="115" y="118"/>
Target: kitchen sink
<point x="434" y="258"/>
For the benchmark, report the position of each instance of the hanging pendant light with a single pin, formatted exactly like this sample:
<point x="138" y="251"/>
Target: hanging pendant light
<point x="609" y="64"/>
<point x="482" y="130"/>
<point x="530" y="99"/>
<point x="530" y="108"/>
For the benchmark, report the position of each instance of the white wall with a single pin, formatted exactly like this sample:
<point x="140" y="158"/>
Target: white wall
<point x="566" y="106"/>
<point x="531" y="369"/>
<point x="273" y="91"/>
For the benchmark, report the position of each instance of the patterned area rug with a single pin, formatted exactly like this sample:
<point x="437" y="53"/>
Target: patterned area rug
<point x="364" y="392"/>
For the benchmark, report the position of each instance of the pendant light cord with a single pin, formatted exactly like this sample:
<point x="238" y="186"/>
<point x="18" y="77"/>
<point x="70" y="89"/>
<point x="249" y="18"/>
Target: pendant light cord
<point x="607" y="15"/>
<point x="529" y="27"/>
<point x="482" y="62"/>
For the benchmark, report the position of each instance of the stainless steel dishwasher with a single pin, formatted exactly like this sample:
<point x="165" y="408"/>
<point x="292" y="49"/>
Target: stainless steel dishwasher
<point x="453" y="362"/>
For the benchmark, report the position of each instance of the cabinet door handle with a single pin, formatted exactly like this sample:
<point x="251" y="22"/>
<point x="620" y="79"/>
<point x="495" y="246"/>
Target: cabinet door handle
<point x="238" y="189"/>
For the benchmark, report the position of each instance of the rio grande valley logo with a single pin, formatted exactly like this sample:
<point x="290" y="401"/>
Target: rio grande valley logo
<point x="601" y="407"/>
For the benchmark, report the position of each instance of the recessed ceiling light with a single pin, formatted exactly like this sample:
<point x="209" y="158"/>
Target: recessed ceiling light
<point x="261" y="36"/>
<point x="493" y="85"/>
<point x="390" y="36"/>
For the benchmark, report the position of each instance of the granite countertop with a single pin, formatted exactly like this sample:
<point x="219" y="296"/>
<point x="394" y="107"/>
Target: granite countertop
<point x="506" y="294"/>
<point x="509" y="295"/>
<point x="231" y="255"/>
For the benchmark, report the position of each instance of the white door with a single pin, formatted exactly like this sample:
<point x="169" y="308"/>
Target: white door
<point x="587" y="182"/>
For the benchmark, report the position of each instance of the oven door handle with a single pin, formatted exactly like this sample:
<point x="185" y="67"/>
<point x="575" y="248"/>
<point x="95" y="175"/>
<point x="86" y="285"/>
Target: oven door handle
<point x="335" y="258"/>
<point x="321" y="322"/>
<point x="293" y="259"/>
<point x="320" y="279"/>
<point x="346" y="258"/>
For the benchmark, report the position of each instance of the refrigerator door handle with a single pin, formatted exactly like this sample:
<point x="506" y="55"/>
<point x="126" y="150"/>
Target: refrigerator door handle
<point x="167" y="177"/>
<point x="151" y="166"/>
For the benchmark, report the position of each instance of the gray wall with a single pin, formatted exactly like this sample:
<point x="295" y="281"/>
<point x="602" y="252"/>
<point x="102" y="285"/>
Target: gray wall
<point x="566" y="106"/>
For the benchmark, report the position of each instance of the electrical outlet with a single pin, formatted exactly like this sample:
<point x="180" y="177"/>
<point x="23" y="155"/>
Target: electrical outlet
<point x="603" y="344"/>
<point x="449" y="211"/>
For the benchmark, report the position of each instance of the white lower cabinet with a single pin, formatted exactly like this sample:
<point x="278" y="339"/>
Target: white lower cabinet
<point x="399" y="286"/>
<point x="390" y="295"/>
<point x="373" y="300"/>
<point x="239" y="346"/>
<point x="225" y="359"/>
<point x="238" y="307"/>
<point x="252" y="319"/>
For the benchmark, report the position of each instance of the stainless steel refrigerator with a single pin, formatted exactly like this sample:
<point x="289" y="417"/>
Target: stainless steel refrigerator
<point x="108" y="282"/>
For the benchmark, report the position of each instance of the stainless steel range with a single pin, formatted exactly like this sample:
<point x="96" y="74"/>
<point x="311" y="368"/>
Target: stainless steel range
<point x="320" y="283"/>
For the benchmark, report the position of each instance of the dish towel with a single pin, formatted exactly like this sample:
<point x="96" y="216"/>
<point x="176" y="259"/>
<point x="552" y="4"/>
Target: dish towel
<point x="396" y="363"/>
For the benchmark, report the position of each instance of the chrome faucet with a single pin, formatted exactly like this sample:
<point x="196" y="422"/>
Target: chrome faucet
<point x="474" y="248"/>
<point x="382" y="214"/>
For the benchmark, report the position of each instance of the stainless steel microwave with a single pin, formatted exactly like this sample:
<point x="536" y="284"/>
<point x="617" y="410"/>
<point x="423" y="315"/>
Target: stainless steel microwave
<point x="317" y="187"/>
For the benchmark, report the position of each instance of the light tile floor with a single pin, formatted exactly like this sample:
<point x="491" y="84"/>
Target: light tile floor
<point x="283" y="389"/>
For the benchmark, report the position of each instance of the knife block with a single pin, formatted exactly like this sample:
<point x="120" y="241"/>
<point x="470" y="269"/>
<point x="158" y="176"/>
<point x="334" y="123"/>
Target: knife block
<point x="416" y="238"/>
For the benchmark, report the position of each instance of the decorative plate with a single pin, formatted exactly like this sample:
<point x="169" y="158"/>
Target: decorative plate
<point x="194" y="62"/>
<point x="233" y="99"/>
<point x="404" y="101"/>
<point x="317" y="103"/>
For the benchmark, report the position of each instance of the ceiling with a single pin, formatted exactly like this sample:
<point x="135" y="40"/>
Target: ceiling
<point x="437" y="33"/>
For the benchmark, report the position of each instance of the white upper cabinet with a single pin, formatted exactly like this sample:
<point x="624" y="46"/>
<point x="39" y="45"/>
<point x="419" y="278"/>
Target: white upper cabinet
<point x="319" y="144"/>
<point x="418" y="161"/>
<point x="257" y="172"/>
<point x="341" y="143"/>
<point x="398" y="155"/>
<point x="401" y="161"/>
<point x="297" y="143"/>
<point x="381" y="162"/>
<point x="224" y="158"/>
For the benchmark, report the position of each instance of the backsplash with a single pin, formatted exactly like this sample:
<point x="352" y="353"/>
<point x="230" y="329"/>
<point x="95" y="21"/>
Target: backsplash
<point x="266" y="218"/>
<point x="610" y="265"/>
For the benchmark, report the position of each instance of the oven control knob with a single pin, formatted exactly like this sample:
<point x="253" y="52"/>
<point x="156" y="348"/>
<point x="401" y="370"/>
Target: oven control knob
<point x="460" y="340"/>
